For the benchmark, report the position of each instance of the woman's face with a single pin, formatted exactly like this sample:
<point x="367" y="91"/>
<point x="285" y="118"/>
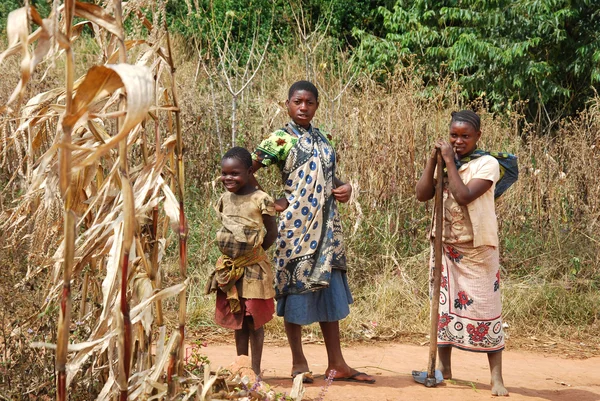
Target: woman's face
<point x="302" y="106"/>
<point x="463" y="138"/>
<point x="234" y="174"/>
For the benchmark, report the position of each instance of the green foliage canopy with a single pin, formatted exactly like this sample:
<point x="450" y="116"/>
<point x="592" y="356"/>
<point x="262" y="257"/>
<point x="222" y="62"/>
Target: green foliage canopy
<point x="546" y="52"/>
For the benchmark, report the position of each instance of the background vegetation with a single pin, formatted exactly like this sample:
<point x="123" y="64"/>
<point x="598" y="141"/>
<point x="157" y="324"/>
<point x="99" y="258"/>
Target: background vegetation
<point x="389" y="75"/>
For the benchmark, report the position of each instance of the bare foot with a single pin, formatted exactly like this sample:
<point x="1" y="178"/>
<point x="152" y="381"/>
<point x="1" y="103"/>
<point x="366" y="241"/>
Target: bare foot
<point x="495" y="359"/>
<point x="498" y="388"/>
<point x="300" y="368"/>
<point x="446" y="371"/>
<point x="444" y="361"/>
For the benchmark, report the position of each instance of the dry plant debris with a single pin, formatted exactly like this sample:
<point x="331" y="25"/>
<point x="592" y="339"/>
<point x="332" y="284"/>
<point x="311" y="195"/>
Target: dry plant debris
<point x="100" y="162"/>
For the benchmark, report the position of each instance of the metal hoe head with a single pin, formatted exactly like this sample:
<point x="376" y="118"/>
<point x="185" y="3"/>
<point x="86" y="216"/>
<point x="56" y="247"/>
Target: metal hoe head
<point x="421" y="377"/>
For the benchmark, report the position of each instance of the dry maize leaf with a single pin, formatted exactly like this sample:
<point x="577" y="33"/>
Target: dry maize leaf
<point x="139" y="85"/>
<point x="137" y="311"/>
<point x="161" y="362"/>
<point x="44" y="44"/>
<point x="192" y="390"/>
<point x="99" y="16"/>
<point x="106" y="393"/>
<point x="98" y="82"/>
<point x="171" y="205"/>
<point x="142" y="290"/>
<point x="103" y="337"/>
<point x="17" y="31"/>
<point x="15" y="48"/>
<point x="96" y="127"/>
<point x="110" y="283"/>
<point x="129" y="44"/>
<point x="207" y="386"/>
<point x="71" y="347"/>
<point x="17" y="27"/>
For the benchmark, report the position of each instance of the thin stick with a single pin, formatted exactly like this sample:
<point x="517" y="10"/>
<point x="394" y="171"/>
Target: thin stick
<point x="437" y="271"/>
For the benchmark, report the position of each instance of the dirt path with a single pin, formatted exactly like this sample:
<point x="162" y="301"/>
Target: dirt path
<point x="528" y="376"/>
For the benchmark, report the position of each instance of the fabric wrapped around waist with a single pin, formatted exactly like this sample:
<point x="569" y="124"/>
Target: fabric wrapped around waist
<point x="228" y="271"/>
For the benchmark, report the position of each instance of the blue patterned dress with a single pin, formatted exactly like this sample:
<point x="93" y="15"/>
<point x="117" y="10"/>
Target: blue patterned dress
<point x="311" y="284"/>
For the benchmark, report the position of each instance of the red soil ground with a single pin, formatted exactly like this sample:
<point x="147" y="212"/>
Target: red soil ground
<point x="552" y="375"/>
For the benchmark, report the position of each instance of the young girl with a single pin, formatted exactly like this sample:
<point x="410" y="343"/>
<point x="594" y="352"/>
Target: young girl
<point x="243" y="278"/>
<point x="470" y="304"/>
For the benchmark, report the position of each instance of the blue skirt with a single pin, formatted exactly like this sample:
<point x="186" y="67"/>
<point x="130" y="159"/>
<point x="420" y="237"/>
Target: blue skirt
<point x="330" y="304"/>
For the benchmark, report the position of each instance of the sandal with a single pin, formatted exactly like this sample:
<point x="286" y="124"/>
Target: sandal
<point x="354" y="378"/>
<point x="307" y="379"/>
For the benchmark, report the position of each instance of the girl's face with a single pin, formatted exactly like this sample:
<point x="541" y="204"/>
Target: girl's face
<point x="463" y="138"/>
<point x="302" y="106"/>
<point x="234" y="174"/>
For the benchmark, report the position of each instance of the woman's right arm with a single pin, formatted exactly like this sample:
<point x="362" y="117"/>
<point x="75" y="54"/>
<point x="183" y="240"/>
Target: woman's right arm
<point x="280" y="204"/>
<point x="425" y="188"/>
<point x="256" y="165"/>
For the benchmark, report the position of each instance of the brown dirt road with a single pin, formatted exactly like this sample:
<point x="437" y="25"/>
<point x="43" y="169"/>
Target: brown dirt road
<point x="528" y="375"/>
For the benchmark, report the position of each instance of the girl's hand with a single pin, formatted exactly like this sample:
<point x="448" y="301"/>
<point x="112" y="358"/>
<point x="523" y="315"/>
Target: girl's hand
<point x="447" y="151"/>
<point x="281" y="204"/>
<point x="342" y="193"/>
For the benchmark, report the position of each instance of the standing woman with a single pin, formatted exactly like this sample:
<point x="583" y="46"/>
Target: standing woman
<point x="470" y="304"/>
<point x="311" y="283"/>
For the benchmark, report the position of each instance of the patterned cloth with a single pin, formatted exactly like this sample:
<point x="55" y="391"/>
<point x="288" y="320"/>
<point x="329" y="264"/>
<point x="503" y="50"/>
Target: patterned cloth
<point x="470" y="302"/>
<point x="509" y="169"/>
<point x="309" y="243"/>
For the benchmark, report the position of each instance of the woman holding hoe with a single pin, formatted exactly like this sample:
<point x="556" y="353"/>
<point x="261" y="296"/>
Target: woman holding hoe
<point x="470" y="304"/>
<point x="311" y="283"/>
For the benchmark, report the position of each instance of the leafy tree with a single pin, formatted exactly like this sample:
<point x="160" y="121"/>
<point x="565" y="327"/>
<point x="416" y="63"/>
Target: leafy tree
<point x="546" y="52"/>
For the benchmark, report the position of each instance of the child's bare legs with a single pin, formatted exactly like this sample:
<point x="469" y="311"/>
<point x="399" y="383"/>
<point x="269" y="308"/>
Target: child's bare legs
<point x="256" y="338"/>
<point x="444" y="361"/>
<point x="335" y="359"/>
<point x="241" y="339"/>
<point x="294" y="336"/>
<point x="495" y="360"/>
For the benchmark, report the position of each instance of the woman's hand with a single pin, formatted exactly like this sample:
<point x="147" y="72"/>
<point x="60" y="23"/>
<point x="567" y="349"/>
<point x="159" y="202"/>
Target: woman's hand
<point x="342" y="193"/>
<point x="446" y="149"/>
<point x="281" y="204"/>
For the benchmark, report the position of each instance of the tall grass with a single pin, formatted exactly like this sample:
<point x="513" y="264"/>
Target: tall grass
<point x="550" y="249"/>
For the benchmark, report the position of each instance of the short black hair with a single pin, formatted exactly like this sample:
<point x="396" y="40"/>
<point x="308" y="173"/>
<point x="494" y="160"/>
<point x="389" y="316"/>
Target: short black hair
<point x="240" y="154"/>
<point x="466" y="116"/>
<point x="303" y="86"/>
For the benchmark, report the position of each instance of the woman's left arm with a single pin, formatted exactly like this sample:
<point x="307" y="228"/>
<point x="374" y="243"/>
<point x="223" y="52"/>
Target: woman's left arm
<point x="342" y="191"/>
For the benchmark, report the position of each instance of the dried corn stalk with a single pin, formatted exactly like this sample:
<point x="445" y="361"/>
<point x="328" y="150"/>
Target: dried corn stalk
<point x="83" y="157"/>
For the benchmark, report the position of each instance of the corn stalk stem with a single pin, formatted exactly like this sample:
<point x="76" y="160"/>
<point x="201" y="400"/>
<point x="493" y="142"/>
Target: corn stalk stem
<point x="65" y="177"/>
<point x="128" y="223"/>
<point x="181" y="196"/>
<point x="154" y="277"/>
